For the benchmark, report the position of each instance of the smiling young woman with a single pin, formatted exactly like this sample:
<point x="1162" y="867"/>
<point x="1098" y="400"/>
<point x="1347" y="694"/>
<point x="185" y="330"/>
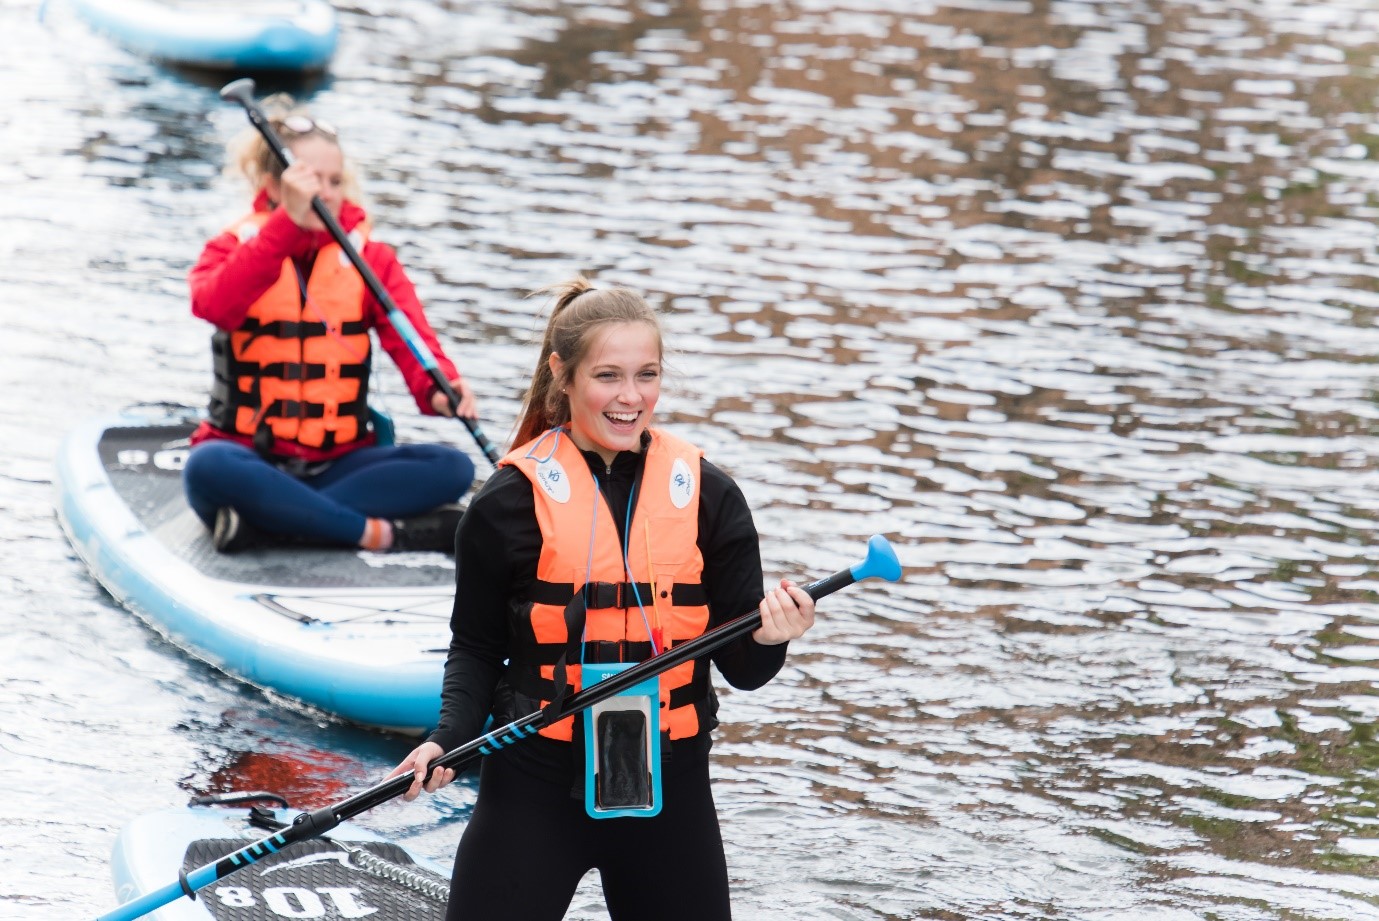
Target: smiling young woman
<point x="613" y="393"/>
<point x="601" y="540"/>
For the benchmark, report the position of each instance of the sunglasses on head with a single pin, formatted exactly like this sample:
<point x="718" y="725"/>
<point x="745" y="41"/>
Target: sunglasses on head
<point x="305" y="124"/>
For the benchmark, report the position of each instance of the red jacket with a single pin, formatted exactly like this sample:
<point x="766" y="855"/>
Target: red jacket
<point x="230" y="276"/>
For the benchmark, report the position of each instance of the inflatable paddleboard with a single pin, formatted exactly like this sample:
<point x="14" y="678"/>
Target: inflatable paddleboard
<point x="229" y="35"/>
<point x="361" y="635"/>
<point x="349" y="873"/>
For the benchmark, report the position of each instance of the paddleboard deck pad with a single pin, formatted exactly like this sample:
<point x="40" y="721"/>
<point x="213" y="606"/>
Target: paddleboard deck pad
<point x="361" y="635"/>
<point x="350" y="873"/>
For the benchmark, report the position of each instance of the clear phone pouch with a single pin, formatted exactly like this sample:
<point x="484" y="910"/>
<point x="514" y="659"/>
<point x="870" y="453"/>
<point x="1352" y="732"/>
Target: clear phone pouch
<point x="622" y="747"/>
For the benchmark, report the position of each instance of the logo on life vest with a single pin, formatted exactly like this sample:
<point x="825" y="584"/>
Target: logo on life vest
<point x="554" y="480"/>
<point x="681" y="484"/>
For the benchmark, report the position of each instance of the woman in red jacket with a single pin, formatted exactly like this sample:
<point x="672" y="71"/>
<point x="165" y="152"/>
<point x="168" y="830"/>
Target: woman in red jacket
<point x="289" y="449"/>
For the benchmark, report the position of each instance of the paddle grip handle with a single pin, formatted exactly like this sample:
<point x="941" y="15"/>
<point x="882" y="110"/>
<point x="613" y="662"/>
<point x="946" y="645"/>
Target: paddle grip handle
<point x="829" y="584"/>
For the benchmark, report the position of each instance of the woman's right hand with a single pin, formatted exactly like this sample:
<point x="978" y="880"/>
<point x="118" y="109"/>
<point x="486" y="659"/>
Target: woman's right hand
<point x="299" y="184"/>
<point x="418" y="762"/>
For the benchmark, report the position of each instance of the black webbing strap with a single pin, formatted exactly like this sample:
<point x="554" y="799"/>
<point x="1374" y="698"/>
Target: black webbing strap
<point x="304" y="371"/>
<point x="561" y="691"/>
<point x="601" y="595"/>
<point x="296" y="409"/>
<point x="299" y="329"/>
<point x="617" y="595"/>
<point x="527" y="680"/>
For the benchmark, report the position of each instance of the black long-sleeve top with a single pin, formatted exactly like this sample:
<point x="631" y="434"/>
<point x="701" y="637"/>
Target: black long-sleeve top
<point x="497" y="549"/>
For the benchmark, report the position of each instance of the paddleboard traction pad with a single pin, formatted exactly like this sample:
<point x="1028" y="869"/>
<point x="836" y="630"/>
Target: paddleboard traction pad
<point x="320" y="878"/>
<point x="144" y="464"/>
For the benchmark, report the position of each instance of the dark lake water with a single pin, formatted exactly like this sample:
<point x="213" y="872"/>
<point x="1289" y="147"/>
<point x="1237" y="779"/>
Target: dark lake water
<point x="1074" y="301"/>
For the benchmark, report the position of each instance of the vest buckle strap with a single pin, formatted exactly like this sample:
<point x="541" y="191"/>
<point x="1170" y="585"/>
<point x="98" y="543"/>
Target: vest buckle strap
<point x="600" y="595"/>
<point x="285" y="409"/>
<point x="289" y="371"/>
<point x="616" y="594"/>
<point x="296" y="409"/>
<point x="284" y="329"/>
<point x="603" y="652"/>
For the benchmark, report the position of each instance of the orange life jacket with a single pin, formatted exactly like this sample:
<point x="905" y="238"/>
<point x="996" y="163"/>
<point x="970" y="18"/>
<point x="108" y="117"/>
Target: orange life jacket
<point x="666" y="567"/>
<point x="297" y="371"/>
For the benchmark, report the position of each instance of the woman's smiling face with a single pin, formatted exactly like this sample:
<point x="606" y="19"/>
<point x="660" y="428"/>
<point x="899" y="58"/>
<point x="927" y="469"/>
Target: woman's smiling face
<point x="614" y="390"/>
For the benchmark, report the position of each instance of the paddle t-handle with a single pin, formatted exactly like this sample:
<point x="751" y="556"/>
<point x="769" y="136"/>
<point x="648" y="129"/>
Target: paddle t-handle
<point x="241" y="91"/>
<point x="879" y="563"/>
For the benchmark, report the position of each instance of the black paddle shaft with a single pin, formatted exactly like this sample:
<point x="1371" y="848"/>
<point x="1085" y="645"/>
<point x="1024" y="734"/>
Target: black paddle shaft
<point x="309" y="825"/>
<point x="880" y="562"/>
<point x="242" y="92"/>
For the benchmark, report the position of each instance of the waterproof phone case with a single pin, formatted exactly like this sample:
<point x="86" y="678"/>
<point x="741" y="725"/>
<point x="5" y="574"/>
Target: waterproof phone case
<point x="622" y="747"/>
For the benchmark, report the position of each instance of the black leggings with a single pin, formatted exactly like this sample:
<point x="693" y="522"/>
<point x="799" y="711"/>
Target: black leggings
<point x="530" y="842"/>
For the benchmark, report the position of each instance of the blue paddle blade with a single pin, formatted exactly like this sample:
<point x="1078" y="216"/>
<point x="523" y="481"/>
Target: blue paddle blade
<point x="881" y="561"/>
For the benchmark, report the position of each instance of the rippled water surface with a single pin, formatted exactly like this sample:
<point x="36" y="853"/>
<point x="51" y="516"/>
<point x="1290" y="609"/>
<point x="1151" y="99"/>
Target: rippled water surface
<point x="1075" y="301"/>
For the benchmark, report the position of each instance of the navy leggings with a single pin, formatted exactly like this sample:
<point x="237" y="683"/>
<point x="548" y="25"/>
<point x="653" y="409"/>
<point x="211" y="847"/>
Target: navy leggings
<point x="393" y="481"/>
<point x="530" y="842"/>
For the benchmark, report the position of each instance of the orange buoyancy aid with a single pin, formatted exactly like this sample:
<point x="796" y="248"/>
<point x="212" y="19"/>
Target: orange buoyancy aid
<point x="579" y="586"/>
<point x="297" y="368"/>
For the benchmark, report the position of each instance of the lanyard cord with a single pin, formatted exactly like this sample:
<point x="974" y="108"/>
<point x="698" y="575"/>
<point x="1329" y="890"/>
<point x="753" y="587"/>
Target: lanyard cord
<point x="627" y="565"/>
<point x="657" y="636"/>
<point x="554" y="434"/>
<point x="309" y="304"/>
<point x="589" y="567"/>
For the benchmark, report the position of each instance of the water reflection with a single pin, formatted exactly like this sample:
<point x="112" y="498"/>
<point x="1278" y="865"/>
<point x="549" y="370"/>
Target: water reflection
<point x="1075" y="301"/>
<point x="307" y="766"/>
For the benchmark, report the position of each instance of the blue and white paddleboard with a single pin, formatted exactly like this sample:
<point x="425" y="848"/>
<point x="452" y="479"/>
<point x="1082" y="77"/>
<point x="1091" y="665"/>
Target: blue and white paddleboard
<point x="357" y="634"/>
<point x="349" y="873"/>
<point x="232" y="35"/>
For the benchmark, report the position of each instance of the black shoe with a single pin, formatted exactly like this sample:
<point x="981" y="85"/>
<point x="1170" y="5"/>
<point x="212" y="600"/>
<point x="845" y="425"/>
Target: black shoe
<point x="434" y="530"/>
<point x="232" y="533"/>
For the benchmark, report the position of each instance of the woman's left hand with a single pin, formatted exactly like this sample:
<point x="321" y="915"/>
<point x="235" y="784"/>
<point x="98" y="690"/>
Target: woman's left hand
<point x="469" y="407"/>
<point x="786" y="613"/>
